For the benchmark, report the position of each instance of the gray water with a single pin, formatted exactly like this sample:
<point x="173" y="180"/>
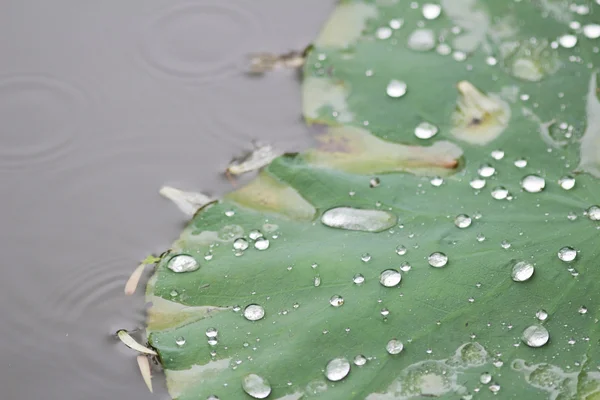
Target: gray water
<point x="101" y="103"/>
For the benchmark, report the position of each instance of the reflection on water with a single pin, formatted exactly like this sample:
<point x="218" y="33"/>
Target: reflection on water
<point x="101" y="105"/>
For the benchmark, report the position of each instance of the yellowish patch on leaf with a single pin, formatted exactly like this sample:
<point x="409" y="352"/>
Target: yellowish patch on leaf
<point x="356" y="150"/>
<point x="346" y="25"/>
<point x="180" y="382"/>
<point x="590" y="142"/>
<point x="165" y="314"/>
<point x="479" y="118"/>
<point x="267" y="194"/>
<point x="324" y="92"/>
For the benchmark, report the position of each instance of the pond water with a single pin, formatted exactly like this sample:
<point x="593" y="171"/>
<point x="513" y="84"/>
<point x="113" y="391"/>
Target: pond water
<point x="101" y="103"/>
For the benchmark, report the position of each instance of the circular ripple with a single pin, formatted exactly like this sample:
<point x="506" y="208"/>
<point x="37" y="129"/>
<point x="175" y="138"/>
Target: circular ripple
<point x="39" y="117"/>
<point x="199" y="41"/>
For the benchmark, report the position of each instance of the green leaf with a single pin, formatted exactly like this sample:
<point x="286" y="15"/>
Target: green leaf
<point x="462" y="209"/>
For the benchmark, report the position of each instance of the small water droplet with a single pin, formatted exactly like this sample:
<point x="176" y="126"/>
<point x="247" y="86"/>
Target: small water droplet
<point x="240" y="244"/>
<point x="494" y="388"/>
<point x="486" y="170"/>
<point x="254" y="312"/>
<point x="522" y="271"/>
<point x="394" y="346"/>
<point x="593" y="213"/>
<point x="180" y="341"/>
<point x="385" y="312"/>
<point x="405" y="267"/>
<point x="421" y="40"/>
<point x="256" y="386"/>
<point x="255" y="234"/>
<point x="477" y="183"/>
<point x="591" y="31"/>
<point x="183" y="263"/>
<point x="436" y="181"/>
<point x="567" y="41"/>
<point x="383" y="32"/>
<point x="425" y="130"/>
<point x="213" y="341"/>
<point x="485" y="378"/>
<point x="582" y="310"/>
<point x="360" y="360"/>
<point x="567" y="254"/>
<point x="212" y="332"/>
<point x="317" y="281"/>
<point x="396" y="23"/>
<point x="401" y="250"/>
<point x="374" y="182"/>
<point x="396" y="88"/>
<point x="261" y="243"/>
<point x="358" y="279"/>
<point x="174" y="293"/>
<point x="437" y="259"/>
<point x="499" y="193"/>
<point x="533" y="183"/>
<point x="229" y="213"/>
<point x="365" y="257"/>
<point x="542" y="315"/>
<point x="390" y="278"/>
<point x="521" y="163"/>
<point x="567" y="182"/>
<point x="431" y="11"/>
<point x="462" y="221"/>
<point x="535" y="336"/>
<point x="505" y="244"/>
<point x="480" y="237"/>
<point x="497" y="154"/>
<point x="336" y="300"/>
<point x="337" y="369"/>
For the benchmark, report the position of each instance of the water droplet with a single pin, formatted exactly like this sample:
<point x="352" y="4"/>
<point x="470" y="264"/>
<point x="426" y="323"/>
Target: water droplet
<point x="254" y="312"/>
<point x="533" y="183"/>
<point x="505" y="244"/>
<point x="213" y="341"/>
<point x="317" y="281"/>
<point x="180" y="341"/>
<point x="497" y="154"/>
<point x="229" y="213"/>
<point x="336" y="300"/>
<point x="437" y="260"/>
<point x="401" y="250"/>
<point x="360" y="360"/>
<point x="212" y="332"/>
<point x="385" y="312"/>
<point x="394" y="346"/>
<point x="405" y="267"/>
<point x="256" y="386"/>
<point x="571" y="216"/>
<point x="390" y="278"/>
<point x="522" y="271"/>
<point x="396" y="23"/>
<point x="542" y="315"/>
<point x="261" y="244"/>
<point x="499" y="193"/>
<point x="425" y="130"/>
<point x="183" y="263"/>
<point x="567" y="254"/>
<point x="567" y="182"/>
<point x="521" y="163"/>
<point x="337" y="369"/>
<point x="355" y="219"/>
<point x="485" y="378"/>
<point x="480" y="237"/>
<point x="374" y="182"/>
<point x="443" y="49"/>
<point x="437" y="181"/>
<point x="212" y="397"/>
<point x="174" y="293"/>
<point x="431" y="11"/>
<point x="535" y="336"/>
<point x="383" y="33"/>
<point x="421" y="40"/>
<point x="358" y="279"/>
<point x="462" y="221"/>
<point x="591" y="31"/>
<point x="255" y="234"/>
<point x="486" y="170"/>
<point x="396" y="88"/>
<point x="240" y="244"/>
<point x="593" y="213"/>
<point x="477" y="183"/>
<point x="567" y="41"/>
<point x="365" y="257"/>
<point x="494" y="388"/>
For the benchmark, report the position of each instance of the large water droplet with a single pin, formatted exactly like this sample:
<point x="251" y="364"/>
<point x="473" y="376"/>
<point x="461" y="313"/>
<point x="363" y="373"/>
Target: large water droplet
<point x="425" y="130"/>
<point x="533" y="183"/>
<point x="567" y="254"/>
<point x="254" y="312"/>
<point x="522" y="271"/>
<point x="499" y="193"/>
<point x="462" y="221"/>
<point x="256" y="386"/>
<point x="591" y="31"/>
<point x="422" y="40"/>
<point x="336" y="300"/>
<point x="486" y="170"/>
<point x="535" y="336"/>
<point x="183" y="263"/>
<point x="394" y="346"/>
<point x="567" y="182"/>
<point x="390" y="278"/>
<point x="261" y="243"/>
<point x="396" y="88"/>
<point x="337" y="369"/>
<point x="567" y="41"/>
<point x="355" y="219"/>
<point x="240" y="244"/>
<point x="437" y="259"/>
<point x="485" y="378"/>
<point x="431" y="11"/>
<point x="593" y="213"/>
